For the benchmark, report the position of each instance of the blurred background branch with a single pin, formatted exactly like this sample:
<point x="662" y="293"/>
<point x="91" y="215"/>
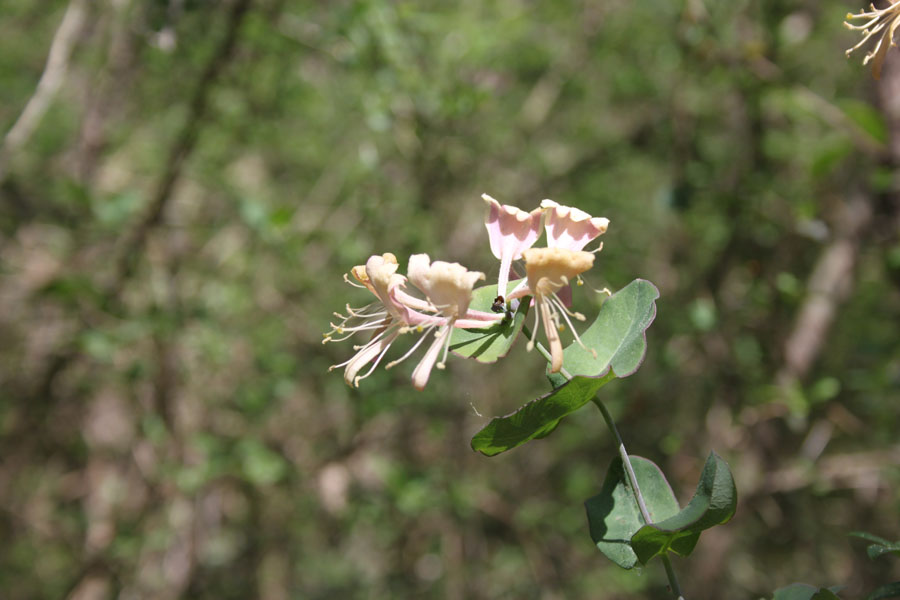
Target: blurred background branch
<point x="51" y="80"/>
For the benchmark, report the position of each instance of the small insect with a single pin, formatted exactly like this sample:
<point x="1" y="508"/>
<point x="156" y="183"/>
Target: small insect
<point x="499" y="304"/>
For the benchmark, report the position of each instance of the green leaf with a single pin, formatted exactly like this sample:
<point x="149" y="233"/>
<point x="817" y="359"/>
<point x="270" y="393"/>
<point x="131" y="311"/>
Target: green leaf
<point x="618" y="334"/>
<point x="802" y="591"/>
<point x="713" y="503"/>
<point x="891" y="590"/>
<point x="538" y="418"/>
<point x="881" y="545"/>
<point x="489" y="344"/>
<point x="613" y="514"/>
<point x="618" y="337"/>
<point x="876" y="550"/>
<point x="871" y="537"/>
<point x="557" y="380"/>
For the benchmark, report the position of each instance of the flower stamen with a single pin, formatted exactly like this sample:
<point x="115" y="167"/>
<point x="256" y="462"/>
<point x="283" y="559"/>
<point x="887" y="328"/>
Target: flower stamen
<point x="409" y="352"/>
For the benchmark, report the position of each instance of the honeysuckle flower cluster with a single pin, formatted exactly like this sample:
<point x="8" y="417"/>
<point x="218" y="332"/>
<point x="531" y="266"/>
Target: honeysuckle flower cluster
<point x="447" y="289"/>
<point x="880" y="23"/>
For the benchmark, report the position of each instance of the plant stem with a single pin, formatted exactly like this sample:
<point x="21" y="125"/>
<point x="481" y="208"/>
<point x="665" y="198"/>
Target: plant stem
<point x="629" y="470"/>
<point x="639" y="498"/>
<point x="673" y="580"/>
<point x="626" y="462"/>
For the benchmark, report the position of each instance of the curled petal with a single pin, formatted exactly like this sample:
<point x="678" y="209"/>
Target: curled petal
<point x="569" y="227"/>
<point x="510" y="229"/>
<point x="423" y="369"/>
<point x="448" y="286"/>
<point x="371" y="351"/>
<point x="548" y="269"/>
<point x="381" y="273"/>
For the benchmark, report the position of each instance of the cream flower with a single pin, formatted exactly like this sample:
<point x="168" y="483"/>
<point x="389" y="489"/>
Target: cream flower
<point x="880" y="22"/>
<point x="396" y="312"/>
<point x="548" y="270"/>
<point x="448" y="287"/>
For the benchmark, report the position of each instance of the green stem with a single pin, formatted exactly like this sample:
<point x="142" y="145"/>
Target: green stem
<point x="626" y="462"/>
<point x="639" y="498"/>
<point x="673" y="580"/>
<point x="629" y="470"/>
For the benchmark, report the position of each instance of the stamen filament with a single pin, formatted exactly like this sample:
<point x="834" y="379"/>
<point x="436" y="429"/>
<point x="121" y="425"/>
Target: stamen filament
<point x="574" y="331"/>
<point x="443" y="361"/>
<point x="394" y="363"/>
<point x="359" y="378"/>
<point x="353" y="283"/>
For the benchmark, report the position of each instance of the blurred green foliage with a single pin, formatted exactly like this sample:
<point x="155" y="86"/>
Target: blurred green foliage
<point x="172" y="239"/>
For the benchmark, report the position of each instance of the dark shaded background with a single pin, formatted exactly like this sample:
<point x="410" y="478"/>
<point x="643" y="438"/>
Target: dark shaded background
<point x="182" y="191"/>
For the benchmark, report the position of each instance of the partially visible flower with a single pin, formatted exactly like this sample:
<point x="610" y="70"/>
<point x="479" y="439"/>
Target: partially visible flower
<point x="880" y="22"/>
<point x="569" y="227"/>
<point x="448" y="286"/>
<point x="386" y="317"/>
<point x="548" y="270"/>
<point x="511" y="231"/>
<point x="397" y="312"/>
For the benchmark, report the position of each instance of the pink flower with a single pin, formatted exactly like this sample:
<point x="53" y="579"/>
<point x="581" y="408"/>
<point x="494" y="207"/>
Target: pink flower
<point x="511" y="232"/>
<point x="569" y="227"/>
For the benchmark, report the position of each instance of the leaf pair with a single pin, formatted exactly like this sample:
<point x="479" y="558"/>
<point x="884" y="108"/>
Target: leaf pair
<point x="618" y="528"/>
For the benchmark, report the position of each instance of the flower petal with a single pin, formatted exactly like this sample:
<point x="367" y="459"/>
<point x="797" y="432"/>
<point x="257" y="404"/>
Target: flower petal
<point x="423" y="369"/>
<point x="548" y="269"/>
<point x="447" y="285"/>
<point x="569" y="227"/>
<point x="367" y="354"/>
<point x="510" y="229"/>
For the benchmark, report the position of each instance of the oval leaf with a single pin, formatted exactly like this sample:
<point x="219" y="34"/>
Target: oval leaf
<point x="713" y="503"/>
<point x="613" y="514"/>
<point x="538" y="418"/>
<point x="489" y="344"/>
<point x="617" y="335"/>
